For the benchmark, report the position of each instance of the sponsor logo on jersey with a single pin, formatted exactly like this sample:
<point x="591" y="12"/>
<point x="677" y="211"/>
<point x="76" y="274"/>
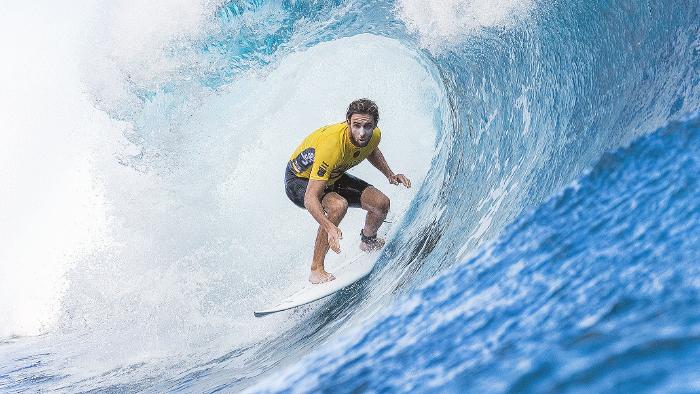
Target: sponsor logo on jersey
<point x="304" y="160"/>
<point x="322" y="169"/>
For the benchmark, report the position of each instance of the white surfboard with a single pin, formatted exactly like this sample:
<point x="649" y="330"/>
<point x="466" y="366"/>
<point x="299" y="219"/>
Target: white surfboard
<point x="348" y="272"/>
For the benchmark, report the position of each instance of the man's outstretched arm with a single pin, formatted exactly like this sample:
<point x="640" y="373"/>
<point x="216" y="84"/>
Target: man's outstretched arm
<point x="376" y="158"/>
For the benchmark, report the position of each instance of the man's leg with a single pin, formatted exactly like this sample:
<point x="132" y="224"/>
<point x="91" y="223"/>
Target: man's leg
<point x="335" y="207"/>
<point x="377" y="206"/>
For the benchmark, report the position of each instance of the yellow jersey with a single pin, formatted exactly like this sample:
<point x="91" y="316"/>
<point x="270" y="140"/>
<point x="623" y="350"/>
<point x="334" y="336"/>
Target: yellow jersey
<point x="328" y="152"/>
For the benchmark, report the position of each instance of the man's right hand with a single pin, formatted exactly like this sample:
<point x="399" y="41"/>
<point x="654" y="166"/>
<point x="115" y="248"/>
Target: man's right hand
<point x="334" y="237"/>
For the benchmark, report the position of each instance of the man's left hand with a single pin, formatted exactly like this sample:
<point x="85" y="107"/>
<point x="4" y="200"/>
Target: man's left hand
<point x="400" y="178"/>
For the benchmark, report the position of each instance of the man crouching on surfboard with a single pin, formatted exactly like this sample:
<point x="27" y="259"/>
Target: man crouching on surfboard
<point x="316" y="179"/>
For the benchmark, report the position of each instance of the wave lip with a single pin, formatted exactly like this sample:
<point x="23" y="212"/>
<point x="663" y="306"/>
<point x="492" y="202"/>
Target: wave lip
<point x="444" y="25"/>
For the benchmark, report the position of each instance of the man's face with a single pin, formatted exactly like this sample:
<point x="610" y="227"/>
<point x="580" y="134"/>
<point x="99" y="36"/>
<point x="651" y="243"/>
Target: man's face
<point x="361" y="129"/>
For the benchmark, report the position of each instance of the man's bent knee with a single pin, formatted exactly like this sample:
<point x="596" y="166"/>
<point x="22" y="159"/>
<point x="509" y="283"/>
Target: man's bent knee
<point x="335" y="205"/>
<point x="384" y="204"/>
<point x="376" y="201"/>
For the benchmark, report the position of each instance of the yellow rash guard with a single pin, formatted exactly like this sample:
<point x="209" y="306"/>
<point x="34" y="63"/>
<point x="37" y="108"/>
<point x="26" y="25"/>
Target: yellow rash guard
<point x="328" y="152"/>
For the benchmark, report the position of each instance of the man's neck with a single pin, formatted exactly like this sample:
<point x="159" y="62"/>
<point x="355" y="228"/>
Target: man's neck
<point x="349" y="138"/>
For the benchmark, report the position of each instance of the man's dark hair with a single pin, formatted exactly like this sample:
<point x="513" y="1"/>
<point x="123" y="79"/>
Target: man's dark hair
<point x="363" y="106"/>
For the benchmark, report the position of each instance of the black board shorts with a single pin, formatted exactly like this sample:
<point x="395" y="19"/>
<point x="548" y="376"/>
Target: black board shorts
<point x="348" y="186"/>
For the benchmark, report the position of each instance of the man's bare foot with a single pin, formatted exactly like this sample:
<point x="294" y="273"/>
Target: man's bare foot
<point x="369" y="244"/>
<point x="320" y="276"/>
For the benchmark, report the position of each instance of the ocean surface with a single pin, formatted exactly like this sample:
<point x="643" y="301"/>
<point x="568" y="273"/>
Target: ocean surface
<point x="551" y="241"/>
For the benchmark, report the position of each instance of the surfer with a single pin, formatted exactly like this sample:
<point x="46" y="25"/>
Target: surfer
<point x="316" y="179"/>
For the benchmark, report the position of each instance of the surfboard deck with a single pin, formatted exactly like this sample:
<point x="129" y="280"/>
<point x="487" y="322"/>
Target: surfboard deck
<point x="348" y="272"/>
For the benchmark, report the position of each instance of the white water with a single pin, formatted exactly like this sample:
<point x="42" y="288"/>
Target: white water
<point x="441" y="25"/>
<point x="168" y="254"/>
<point x="50" y="206"/>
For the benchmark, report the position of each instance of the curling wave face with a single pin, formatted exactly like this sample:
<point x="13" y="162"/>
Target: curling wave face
<point x="491" y="107"/>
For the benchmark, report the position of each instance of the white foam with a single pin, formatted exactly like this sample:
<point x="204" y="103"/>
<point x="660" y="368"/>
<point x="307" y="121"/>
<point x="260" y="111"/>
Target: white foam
<point x="51" y="209"/>
<point x="52" y="135"/>
<point x="147" y="264"/>
<point x="141" y="45"/>
<point x="441" y="25"/>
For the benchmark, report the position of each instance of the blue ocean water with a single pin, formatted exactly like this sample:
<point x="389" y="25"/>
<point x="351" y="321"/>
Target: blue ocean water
<point x="552" y="245"/>
<point x="595" y="290"/>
